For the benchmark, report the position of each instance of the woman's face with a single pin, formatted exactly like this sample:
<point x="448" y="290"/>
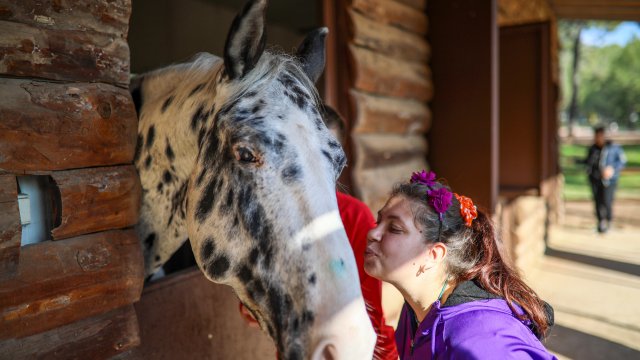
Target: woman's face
<point x="395" y="247"/>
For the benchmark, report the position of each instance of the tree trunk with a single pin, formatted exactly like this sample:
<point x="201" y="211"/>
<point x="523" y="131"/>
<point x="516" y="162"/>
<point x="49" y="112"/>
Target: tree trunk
<point x="573" y="107"/>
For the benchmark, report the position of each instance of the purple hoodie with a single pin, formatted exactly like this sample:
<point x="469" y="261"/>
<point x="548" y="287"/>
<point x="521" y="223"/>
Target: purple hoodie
<point x="472" y="324"/>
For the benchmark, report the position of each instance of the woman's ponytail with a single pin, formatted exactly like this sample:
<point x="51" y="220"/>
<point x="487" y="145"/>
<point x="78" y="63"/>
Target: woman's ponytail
<point x="499" y="278"/>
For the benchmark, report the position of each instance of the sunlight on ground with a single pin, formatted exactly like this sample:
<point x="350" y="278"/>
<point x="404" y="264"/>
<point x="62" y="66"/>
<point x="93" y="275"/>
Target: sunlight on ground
<point x="593" y="283"/>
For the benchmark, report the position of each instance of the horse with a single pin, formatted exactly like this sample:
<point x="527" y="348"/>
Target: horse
<point x="234" y="157"/>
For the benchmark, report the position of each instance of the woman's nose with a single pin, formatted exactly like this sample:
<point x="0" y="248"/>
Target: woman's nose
<point x="374" y="234"/>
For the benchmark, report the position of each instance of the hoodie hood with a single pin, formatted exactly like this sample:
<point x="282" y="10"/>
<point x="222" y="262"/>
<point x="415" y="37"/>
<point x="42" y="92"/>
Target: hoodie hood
<point x="470" y="291"/>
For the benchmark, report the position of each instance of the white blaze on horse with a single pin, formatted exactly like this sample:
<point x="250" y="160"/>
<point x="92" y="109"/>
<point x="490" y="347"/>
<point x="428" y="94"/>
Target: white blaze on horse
<point x="233" y="155"/>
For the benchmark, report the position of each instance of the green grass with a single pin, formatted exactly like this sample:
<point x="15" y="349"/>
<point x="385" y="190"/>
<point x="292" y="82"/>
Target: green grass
<point x="576" y="184"/>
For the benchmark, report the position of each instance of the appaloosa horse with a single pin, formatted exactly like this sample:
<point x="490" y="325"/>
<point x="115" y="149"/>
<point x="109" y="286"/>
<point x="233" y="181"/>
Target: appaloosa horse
<point x="233" y="155"/>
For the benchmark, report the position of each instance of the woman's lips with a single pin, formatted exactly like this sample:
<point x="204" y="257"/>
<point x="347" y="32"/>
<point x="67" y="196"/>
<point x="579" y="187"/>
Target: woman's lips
<point x="370" y="252"/>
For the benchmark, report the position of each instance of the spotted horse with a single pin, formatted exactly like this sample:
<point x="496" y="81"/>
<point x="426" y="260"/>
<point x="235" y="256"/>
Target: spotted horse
<point x="233" y="156"/>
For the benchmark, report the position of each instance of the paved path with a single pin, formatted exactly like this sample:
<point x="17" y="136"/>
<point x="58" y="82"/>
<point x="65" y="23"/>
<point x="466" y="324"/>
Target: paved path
<point x="593" y="283"/>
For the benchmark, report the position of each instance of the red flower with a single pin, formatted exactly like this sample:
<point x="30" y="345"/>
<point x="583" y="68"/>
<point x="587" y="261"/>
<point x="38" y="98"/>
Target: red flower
<point x="468" y="211"/>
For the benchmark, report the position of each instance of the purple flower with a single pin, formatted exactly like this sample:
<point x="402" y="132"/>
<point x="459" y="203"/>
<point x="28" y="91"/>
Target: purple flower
<point x="440" y="200"/>
<point x="423" y="177"/>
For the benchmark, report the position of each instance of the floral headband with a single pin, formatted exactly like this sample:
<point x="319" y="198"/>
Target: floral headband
<point x="440" y="199"/>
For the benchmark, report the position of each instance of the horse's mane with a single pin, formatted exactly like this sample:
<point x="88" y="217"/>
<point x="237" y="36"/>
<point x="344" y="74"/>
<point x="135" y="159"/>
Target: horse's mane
<point x="204" y="69"/>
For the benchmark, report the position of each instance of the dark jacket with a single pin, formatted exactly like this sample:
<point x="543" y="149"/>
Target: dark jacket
<point x="610" y="155"/>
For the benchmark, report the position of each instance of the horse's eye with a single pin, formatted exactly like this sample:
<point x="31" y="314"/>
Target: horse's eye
<point x="245" y="155"/>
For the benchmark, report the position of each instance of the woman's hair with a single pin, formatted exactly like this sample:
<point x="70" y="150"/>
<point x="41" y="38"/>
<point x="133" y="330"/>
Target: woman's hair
<point x="472" y="252"/>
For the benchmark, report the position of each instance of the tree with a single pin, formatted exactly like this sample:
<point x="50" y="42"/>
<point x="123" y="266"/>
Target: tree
<point x="570" y="33"/>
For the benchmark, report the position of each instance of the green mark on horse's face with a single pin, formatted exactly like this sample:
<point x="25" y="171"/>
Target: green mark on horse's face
<point x="338" y="267"/>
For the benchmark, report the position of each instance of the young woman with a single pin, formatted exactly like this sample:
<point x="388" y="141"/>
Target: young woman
<point x="462" y="301"/>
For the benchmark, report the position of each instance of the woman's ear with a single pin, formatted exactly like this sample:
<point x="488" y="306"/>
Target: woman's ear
<point x="436" y="253"/>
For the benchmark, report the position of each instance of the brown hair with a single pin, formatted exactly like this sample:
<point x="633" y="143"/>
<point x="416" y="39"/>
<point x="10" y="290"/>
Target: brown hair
<point x="473" y="253"/>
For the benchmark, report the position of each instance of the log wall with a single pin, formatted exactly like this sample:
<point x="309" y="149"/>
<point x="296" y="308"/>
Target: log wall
<point x="66" y="114"/>
<point x="390" y="85"/>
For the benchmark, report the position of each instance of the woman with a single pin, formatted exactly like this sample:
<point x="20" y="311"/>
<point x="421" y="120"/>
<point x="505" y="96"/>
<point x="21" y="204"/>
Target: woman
<point x="462" y="301"/>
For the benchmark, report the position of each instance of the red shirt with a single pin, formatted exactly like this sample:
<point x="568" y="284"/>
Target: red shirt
<point x="357" y="220"/>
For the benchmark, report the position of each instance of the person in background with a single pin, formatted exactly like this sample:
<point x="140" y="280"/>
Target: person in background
<point x="604" y="162"/>
<point x="462" y="300"/>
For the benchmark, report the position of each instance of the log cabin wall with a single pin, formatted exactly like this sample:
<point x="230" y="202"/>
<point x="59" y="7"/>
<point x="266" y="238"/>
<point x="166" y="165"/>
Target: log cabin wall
<point x="389" y="87"/>
<point x="66" y="116"/>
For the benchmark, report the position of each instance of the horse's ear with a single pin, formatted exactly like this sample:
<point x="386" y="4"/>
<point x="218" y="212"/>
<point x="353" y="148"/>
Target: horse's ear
<point x="246" y="39"/>
<point x="311" y="53"/>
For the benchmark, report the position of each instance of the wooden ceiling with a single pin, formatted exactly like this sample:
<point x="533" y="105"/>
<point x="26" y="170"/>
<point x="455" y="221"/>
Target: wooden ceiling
<point x="597" y="9"/>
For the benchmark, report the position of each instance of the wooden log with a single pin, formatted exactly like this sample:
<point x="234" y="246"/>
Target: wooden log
<point x="393" y="13"/>
<point x="10" y="228"/>
<point x="64" y="55"/>
<point x="93" y="16"/>
<point x="518" y="12"/>
<point x="60" y="282"/>
<point x="47" y="126"/>
<point x="379" y="74"/>
<point x="416" y="4"/>
<point x="386" y="115"/>
<point x="375" y="184"/>
<point x="379" y="150"/>
<point x="99" y="337"/>
<point x="388" y="40"/>
<point x="97" y="199"/>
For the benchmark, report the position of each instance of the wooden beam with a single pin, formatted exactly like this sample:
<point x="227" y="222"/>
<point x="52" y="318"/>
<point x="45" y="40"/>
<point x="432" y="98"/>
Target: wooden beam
<point x="388" y="40"/>
<point x="380" y="150"/>
<point x="393" y="13"/>
<point x="416" y="4"/>
<point x="99" y="337"/>
<point x="48" y="126"/>
<point x="388" y="115"/>
<point x="60" y="282"/>
<point x="97" y="199"/>
<point x="65" y="55"/>
<point x="92" y="16"/>
<point x="379" y="74"/>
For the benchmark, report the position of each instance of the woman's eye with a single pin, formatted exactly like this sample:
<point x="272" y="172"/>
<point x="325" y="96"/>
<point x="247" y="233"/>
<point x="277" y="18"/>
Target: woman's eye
<point x="245" y="155"/>
<point x="396" y="230"/>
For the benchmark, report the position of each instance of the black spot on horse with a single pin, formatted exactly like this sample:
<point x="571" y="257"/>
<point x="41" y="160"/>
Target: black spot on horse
<point x="147" y="162"/>
<point x="197" y="116"/>
<point x="218" y="267"/>
<point x="166" y="177"/>
<point x="166" y="104"/>
<point x="245" y="274"/>
<point x="160" y="186"/>
<point x="206" y="200"/>
<point x="291" y="174"/>
<point x="139" y="143"/>
<point x="334" y="144"/>
<point x="148" y="242"/>
<point x="229" y="201"/>
<point x="197" y="89"/>
<point x="200" y="137"/>
<point x="307" y="317"/>
<point x="151" y="134"/>
<point x="295" y="352"/>
<point x="312" y="279"/>
<point x="256" y="108"/>
<point x="253" y="256"/>
<point x="169" y="151"/>
<point x="328" y="156"/>
<point x="207" y="249"/>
